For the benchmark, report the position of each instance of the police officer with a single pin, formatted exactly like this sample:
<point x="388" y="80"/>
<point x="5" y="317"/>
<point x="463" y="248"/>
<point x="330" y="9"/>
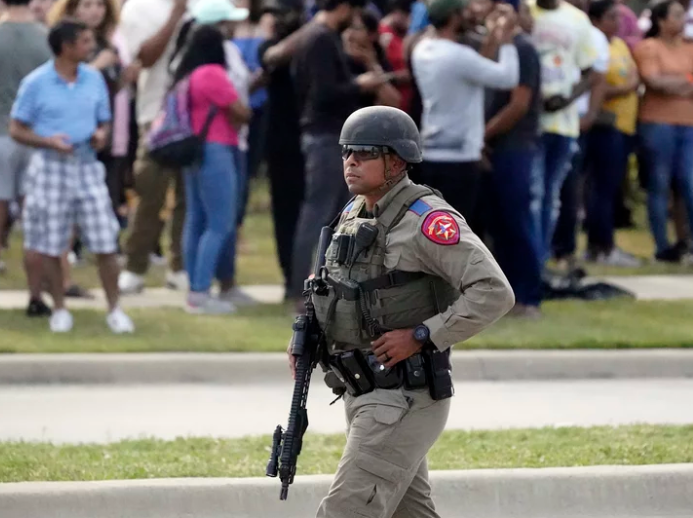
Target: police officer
<point x="406" y="280"/>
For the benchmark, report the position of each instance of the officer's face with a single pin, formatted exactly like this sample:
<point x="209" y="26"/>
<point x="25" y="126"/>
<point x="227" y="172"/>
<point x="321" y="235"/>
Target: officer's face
<point x="364" y="167"/>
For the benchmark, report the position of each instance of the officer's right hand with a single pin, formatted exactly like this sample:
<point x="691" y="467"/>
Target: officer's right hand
<point x="370" y="81"/>
<point x="292" y="361"/>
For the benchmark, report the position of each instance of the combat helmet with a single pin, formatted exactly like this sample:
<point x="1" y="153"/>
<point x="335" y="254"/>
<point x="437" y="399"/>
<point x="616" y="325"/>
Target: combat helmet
<point x="383" y="126"/>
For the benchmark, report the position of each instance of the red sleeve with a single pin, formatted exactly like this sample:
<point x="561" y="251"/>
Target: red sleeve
<point x="212" y="83"/>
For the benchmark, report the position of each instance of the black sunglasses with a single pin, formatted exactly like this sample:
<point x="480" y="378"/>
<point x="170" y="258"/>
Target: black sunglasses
<point x="364" y="153"/>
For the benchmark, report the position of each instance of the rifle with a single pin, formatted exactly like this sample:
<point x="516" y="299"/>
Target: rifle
<point x="306" y="345"/>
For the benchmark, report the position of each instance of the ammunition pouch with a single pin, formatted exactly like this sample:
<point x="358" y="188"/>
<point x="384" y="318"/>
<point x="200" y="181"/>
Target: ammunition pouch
<point x="359" y="373"/>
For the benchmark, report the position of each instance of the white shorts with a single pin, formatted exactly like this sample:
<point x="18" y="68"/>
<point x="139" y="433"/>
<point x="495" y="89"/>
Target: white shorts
<point x="14" y="160"/>
<point x="64" y="192"/>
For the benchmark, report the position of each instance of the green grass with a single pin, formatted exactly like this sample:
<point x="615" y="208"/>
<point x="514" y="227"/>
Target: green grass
<point x="566" y="325"/>
<point x="257" y="258"/>
<point x="198" y="457"/>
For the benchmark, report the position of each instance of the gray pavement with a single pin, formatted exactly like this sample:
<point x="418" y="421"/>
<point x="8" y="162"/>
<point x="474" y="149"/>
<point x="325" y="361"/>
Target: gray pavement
<point x="645" y="287"/>
<point x="108" y="413"/>
<point x="591" y="492"/>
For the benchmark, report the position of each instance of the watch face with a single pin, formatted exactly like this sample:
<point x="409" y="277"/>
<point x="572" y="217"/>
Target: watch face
<point x="421" y="334"/>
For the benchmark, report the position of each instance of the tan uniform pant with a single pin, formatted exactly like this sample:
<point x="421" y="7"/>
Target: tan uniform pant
<point x="151" y="185"/>
<point x="383" y="472"/>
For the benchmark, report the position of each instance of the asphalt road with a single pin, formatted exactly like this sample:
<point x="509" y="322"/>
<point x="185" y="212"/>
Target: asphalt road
<point x="106" y="413"/>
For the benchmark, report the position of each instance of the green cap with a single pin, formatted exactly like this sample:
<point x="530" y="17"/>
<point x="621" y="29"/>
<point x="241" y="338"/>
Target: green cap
<point x="440" y="10"/>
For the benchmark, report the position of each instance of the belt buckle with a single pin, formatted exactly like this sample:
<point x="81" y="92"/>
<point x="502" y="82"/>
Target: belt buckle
<point x="391" y="278"/>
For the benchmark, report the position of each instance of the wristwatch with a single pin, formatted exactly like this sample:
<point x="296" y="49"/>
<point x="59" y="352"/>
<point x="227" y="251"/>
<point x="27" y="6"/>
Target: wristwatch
<point x="422" y="333"/>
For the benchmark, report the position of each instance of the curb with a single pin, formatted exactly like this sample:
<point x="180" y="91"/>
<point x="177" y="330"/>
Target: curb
<point x="595" y="492"/>
<point x="250" y="368"/>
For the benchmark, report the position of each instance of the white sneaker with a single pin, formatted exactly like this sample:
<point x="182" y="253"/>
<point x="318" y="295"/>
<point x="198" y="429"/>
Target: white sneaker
<point x="204" y="304"/>
<point x="129" y="283"/>
<point x="237" y="297"/>
<point x="619" y="258"/>
<point x="157" y="260"/>
<point x="177" y="280"/>
<point x="119" y="322"/>
<point x="61" y="321"/>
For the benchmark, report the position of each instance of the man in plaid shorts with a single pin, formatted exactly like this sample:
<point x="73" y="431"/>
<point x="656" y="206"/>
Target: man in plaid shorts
<point x="62" y="109"/>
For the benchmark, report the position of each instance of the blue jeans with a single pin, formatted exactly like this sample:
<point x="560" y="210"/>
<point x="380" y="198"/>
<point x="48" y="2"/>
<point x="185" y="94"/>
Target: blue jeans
<point x="241" y="160"/>
<point x="516" y="237"/>
<point x="211" y="198"/>
<point x="668" y="151"/>
<point x="550" y="169"/>
<point x="606" y="160"/>
<point x="226" y="267"/>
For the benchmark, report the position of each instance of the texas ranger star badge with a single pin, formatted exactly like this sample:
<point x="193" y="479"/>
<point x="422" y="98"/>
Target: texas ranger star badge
<point x="441" y="228"/>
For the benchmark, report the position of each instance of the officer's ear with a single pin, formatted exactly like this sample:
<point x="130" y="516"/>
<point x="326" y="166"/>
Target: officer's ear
<point x="397" y="164"/>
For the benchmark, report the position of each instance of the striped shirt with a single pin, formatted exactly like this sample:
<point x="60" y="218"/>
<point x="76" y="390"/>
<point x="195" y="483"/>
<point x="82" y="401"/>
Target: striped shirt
<point x="50" y="105"/>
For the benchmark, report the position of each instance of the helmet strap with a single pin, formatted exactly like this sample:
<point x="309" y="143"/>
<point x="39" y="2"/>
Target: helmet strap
<point x="389" y="179"/>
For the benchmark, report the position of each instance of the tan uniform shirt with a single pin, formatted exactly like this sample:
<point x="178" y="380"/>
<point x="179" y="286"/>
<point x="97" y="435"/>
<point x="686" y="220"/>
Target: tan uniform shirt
<point x="439" y="242"/>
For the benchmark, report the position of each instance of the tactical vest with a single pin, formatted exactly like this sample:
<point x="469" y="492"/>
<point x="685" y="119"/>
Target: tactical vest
<point x="364" y="299"/>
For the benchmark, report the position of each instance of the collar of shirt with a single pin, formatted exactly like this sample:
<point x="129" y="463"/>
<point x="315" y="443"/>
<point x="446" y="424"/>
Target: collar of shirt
<point x="383" y="202"/>
<point x="52" y="72"/>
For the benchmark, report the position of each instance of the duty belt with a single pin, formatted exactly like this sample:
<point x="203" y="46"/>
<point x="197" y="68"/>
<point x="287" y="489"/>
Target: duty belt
<point x="360" y="373"/>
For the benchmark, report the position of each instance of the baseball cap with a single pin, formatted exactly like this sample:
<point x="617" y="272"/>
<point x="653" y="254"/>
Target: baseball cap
<point x="440" y="10"/>
<point x="215" y="11"/>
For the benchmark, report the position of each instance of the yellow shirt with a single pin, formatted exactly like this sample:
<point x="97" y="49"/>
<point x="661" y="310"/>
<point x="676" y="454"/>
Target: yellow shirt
<point x="625" y="107"/>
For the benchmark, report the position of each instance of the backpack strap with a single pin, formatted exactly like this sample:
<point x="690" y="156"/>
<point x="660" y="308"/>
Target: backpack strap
<point x="213" y="110"/>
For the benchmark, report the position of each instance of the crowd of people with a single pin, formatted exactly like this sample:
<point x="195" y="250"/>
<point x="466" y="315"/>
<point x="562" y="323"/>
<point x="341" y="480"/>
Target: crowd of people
<point x="531" y="115"/>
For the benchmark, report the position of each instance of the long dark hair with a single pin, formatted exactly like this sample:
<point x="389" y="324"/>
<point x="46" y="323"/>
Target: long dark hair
<point x="206" y="47"/>
<point x="658" y="12"/>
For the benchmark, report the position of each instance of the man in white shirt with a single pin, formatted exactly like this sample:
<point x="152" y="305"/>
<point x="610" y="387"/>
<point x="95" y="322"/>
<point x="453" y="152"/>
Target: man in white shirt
<point x="564" y="241"/>
<point x="150" y="27"/>
<point x="451" y="78"/>
<point x="563" y="38"/>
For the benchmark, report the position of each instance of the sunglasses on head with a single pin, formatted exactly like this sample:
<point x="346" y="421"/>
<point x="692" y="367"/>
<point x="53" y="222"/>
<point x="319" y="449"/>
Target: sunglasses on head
<point x="363" y="153"/>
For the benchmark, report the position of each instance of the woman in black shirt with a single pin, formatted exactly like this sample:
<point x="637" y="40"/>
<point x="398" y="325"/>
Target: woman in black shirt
<point x="366" y="55"/>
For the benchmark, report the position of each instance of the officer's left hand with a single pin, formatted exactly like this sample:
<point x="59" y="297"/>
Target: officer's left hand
<point x="396" y="346"/>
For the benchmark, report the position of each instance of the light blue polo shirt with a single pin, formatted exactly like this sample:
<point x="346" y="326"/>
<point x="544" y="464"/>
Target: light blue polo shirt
<point x="50" y="105"/>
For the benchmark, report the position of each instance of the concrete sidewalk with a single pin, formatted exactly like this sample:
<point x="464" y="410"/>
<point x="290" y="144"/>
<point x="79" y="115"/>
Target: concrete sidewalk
<point x="107" y="413"/>
<point x="150" y="298"/>
<point x="651" y="287"/>
<point x="268" y="368"/>
<point x="594" y="492"/>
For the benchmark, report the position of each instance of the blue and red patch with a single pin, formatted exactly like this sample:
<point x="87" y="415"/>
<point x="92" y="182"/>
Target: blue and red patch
<point x="441" y="228"/>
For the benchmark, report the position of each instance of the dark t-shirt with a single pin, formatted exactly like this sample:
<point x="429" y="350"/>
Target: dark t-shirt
<point x="526" y="131"/>
<point x="325" y="90"/>
<point x="282" y="112"/>
<point x="357" y="68"/>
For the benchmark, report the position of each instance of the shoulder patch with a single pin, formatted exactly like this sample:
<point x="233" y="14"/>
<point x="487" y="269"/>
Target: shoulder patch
<point x="441" y="228"/>
<point x="348" y="207"/>
<point x="419" y="207"/>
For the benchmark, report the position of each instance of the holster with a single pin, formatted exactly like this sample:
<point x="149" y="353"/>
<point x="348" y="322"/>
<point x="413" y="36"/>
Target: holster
<point x="361" y="373"/>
